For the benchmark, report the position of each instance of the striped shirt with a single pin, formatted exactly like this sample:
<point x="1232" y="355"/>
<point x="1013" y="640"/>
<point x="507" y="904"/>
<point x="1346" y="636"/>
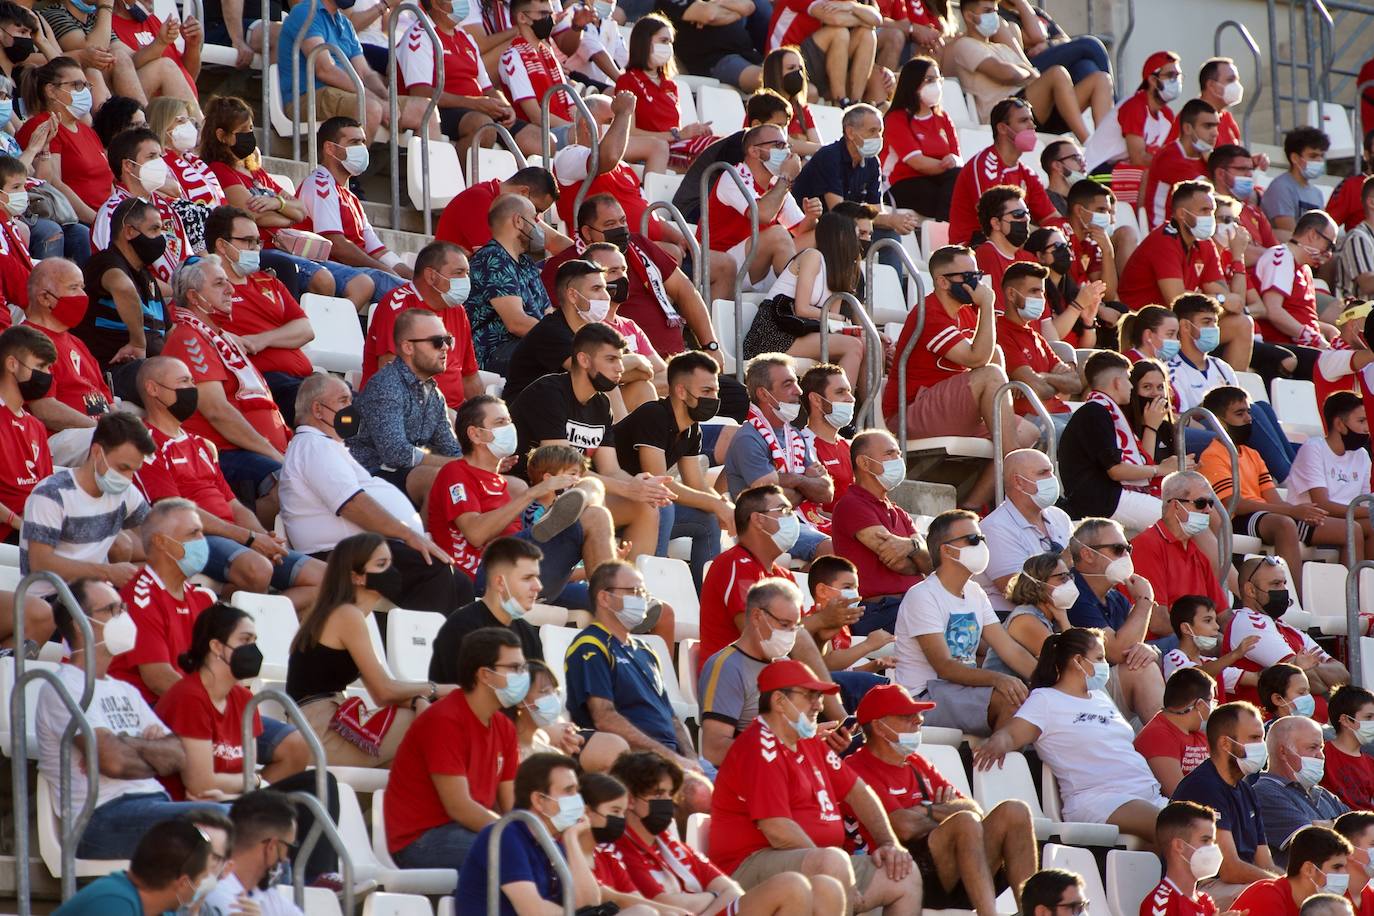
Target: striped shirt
<point x="1356" y="257"/>
<point x="75" y="524"/>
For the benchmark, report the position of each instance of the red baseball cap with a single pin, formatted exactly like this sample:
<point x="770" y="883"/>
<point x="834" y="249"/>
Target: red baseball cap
<point x="889" y="700"/>
<point x="788" y="673"/>
<point x="1156" y="61"/>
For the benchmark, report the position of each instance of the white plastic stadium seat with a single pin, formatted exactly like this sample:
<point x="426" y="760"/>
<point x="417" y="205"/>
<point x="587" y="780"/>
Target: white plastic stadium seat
<point x="410" y="642"/>
<point x="1075" y="833"/>
<point x="383" y="904"/>
<point x="1295" y="404"/>
<point x="338" y="343"/>
<point x="683" y="709"/>
<point x="319" y="901"/>
<point x="723" y="318"/>
<point x="556" y="642"/>
<point x="1367" y="662"/>
<point x="445" y="177"/>
<point x="889" y="303"/>
<point x="935" y="734"/>
<point x="1253" y="385"/>
<point x="1323" y="590"/>
<point x="671" y="581"/>
<point x="284" y="182"/>
<point x="956" y="106"/>
<point x="1013" y="780"/>
<point x="493" y="163"/>
<point x="49" y="844"/>
<point x="688" y="654"/>
<point x="1131" y="876"/>
<point x="722" y="106"/>
<point x="371" y="859"/>
<point x="30" y="707"/>
<point x="828" y="120"/>
<point x="934" y="236"/>
<point x="659" y="186"/>
<point x="946" y="760"/>
<point x="1079" y="860"/>
<point x="954" y="446"/>
<point x="281" y="121"/>
<point x="687" y="106"/>
<point x="275" y="619"/>
<point x="1335" y="123"/>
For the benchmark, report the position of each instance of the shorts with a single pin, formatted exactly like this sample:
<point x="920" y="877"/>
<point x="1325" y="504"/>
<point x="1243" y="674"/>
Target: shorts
<point x="217" y="34"/>
<point x="764" y="864"/>
<point x="737" y="253"/>
<point x="394" y="476"/>
<point x="273" y="732"/>
<point x="562" y="136"/>
<point x="255" y="473"/>
<point x="451" y="119"/>
<point x="813" y="58"/>
<point x="808" y="539"/>
<point x="1248" y="524"/>
<point x="946" y="408"/>
<point x="933" y="894"/>
<point x="224" y="551"/>
<point x="1096" y="807"/>
<point x="730" y="68"/>
<point x="958" y="706"/>
<point x="330" y="102"/>
<point x="383" y="281"/>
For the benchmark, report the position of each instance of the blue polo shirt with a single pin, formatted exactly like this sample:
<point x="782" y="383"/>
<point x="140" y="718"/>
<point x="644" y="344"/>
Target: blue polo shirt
<point x="112" y="895"/>
<point x="626" y="673"/>
<point x="832" y="171"/>
<point x="1087" y="611"/>
<point x="1237" y="808"/>
<point x="334" y="28"/>
<point x="521" y="860"/>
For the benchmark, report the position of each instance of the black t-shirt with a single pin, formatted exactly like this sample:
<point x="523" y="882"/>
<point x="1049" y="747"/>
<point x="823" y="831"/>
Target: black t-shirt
<point x="548" y="409"/>
<point x="1087" y="448"/>
<point x="102" y="330"/>
<point x="701" y="47"/>
<point x="543" y="350"/>
<point x="443" y="665"/>
<point x="653" y="424"/>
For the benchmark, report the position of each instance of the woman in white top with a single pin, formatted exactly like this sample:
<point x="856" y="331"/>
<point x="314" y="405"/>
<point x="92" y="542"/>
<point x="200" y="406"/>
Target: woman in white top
<point x="809" y="279"/>
<point x="1077" y="730"/>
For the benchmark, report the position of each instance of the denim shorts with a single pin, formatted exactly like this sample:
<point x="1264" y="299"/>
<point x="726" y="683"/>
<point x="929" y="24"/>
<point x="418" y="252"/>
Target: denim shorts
<point x="241" y="466"/>
<point x="730" y="68"/>
<point x="224" y="551"/>
<point x="274" y="731"/>
<point x="383" y="281"/>
<point x="807" y="542"/>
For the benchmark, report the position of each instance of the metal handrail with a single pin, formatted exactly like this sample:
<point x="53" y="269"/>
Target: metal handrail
<point x="321" y="762"/>
<point x="1316" y="70"/>
<point x="394" y="103"/>
<point x="546" y="139"/>
<point x="1328" y="25"/>
<point x="347" y="66"/>
<point x="505" y="137"/>
<point x="873" y="345"/>
<point x="71" y="827"/>
<point x="324" y="824"/>
<point x="684" y="227"/>
<point x="1051" y="437"/>
<point x="295" y="76"/>
<point x="266" y="81"/>
<point x="1229" y="509"/>
<point x="705" y="228"/>
<point x="904" y="357"/>
<point x="1353" y="537"/>
<point x="1249" y="40"/>
<point x="870" y="261"/>
<point x="1121" y="45"/>
<point x="541" y="836"/>
<point x="1360" y="164"/>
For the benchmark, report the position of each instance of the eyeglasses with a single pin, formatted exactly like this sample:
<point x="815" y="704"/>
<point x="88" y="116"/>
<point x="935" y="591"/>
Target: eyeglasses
<point x="252" y="241"/>
<point x="1116" y="550"/>
<point x="776" y="144"/>
<point x="785" y="625"/>
<point x="639" y="590"/>
<point x="971" y="277"/>
<point x="1075" y="158"/>
<point x="114" y="609"/>
<point x="438" y="341"/>
<point x="1261" y="562"/>
<point x="1077" y="907"/>
<point x="78" y="85"/>
<point x="518" y="668"/>
<point x="778" y="511"/>
<point x="1202" y="503"/>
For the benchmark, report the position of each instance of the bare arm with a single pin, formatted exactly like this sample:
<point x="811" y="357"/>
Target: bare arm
<point x="199" y="774"/>
<point x="869" y="811"/>
<point x="57" y="416"/>
<point x="784" y="833"/>
<point x="458" y="804"/>
<point x="158" y="676"/>
<point x="605" y="718"/>
<point x="383" y="688"/>
<point x="1169" y="772"/>
<point x="127" y="304"/>
<point x="290" y="336"/>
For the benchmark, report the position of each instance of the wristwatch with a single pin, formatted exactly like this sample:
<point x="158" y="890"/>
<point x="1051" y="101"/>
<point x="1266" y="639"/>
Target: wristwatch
<point x="711" y="346"/>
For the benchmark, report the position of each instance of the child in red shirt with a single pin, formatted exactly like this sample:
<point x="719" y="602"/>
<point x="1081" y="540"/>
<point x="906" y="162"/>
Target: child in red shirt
<point x="1349" y="771"/>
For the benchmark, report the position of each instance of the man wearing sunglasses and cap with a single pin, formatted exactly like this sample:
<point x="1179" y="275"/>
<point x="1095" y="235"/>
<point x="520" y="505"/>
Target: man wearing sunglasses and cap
<point x="958" y="849"/>
<point x="776" y="806"/>
<point x="1177" y="553"/>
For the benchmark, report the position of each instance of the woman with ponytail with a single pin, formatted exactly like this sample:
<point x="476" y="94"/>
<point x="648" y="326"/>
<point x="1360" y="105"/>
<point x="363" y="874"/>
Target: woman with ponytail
<point x="1078" y="731"/>
<point x="1041" y="595"/>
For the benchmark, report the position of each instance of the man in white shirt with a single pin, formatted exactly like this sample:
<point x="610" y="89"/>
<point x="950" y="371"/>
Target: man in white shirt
<point x="326" y="496"/>
<point x="1330" y="472"/>
<point x="264" y="832"/>
<point x="1026" y="523"/>
<point x="1355" y="257"/>
<point x="940" y="625"/>
<point x="1194" y="371"/>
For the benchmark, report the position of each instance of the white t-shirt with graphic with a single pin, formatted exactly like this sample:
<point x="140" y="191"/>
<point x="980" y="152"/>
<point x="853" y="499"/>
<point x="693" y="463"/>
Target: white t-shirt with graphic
<point x="929" y="607"/>
<point x="1344" y="476"/>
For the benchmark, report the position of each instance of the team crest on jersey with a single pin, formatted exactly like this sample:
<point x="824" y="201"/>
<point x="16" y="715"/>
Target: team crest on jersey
<point x="457" y="493"/>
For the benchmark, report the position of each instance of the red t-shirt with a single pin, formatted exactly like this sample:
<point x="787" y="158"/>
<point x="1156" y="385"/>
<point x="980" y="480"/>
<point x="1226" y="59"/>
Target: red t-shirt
<point x="1167" y="900"/>
<point x="459" y="488"/>
<point x="1162" y="738"/>
<point x="447" y="739"/>
<point x="1346" y="205"/>
<point x="1087" y="259"/>
<point x="464" y="73"/>
<point x="188" y="712"/>
<point x="464" y="220"/>
<point x="859" y="509"/>
<point x="1271" y="897"/>
<point x="1175" y="568"/>
<point x="1162" y="256"/>
<point x="910" y="11"/>
<point x="791" y="24"/>
<point x="729" y="210"/>
<point x="528" y="71"/>
<point x="1024" y="345"/>
<point x="1136" y="120"/>
<point x="1257" y="224"/>
<point x="462" y="360"/>
<point x="164" y="625"/>
<point x="188" y="467"/>
<point x="761" y="777"/>
<point x="137" y="35"/>
<point x="85" y="168"/>
<point x="655" y="102"/>
<point x="933" y="136"/>
<point x="76" y="379"/>
<point x="263" y="303"/>
<point x="608" y="866"/>
<point x="1277" y="271"/>
<point x="24" y="460"/>
<point x="621" y="182"/>
<point x="15" y="267"/>
<point x="837" y="463"/>
<point x="984" y="171"/>
<point x="928" y="365"/>
<point x="1350" y="777"/>
<point x="899" y="786"/>
<point x="258" y="183"/>
<point x="653" y="874"/>
<point x="722" y="596"/>
<point x="994" y="263"/>
<point x="200" y="355"/>
<point x="1170" y="166"/>
<point x="1228" y="131"/>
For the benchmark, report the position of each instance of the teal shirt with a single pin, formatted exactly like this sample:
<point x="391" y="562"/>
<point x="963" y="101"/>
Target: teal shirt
<point x="112" y="895"/>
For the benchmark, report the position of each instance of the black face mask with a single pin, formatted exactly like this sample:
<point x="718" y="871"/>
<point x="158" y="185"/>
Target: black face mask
<point x="21" y="50"/>
<point x="346" y="422"/>
<point x="245" y="661"/>
<point x="619" y="237"/>
<point x="542" y="28"/>
<point x="619" y="290"/>
<point x="187" y="400"/>
<point x="704" y="409"/>
<point x="1276" y="602"/>
<point x="1353" y="440"/>
<point x="1240" y="435"/>
<point x="148" y="248"/>
<point x="137" y="13"/>
<point x="245" y="144"/>
<point x="1019" y="232"/>
<point x="660" y="816"/>
<point x="793" y="83"/>
<point x="36" y="385"/>
<point x="386" y="582"/>
<point x="961" y="292"/>
<point x="864" y="245"/>
<point x="601" y="383"/>
<point x="614" y="830"/>
<point x="1061" y="260"/>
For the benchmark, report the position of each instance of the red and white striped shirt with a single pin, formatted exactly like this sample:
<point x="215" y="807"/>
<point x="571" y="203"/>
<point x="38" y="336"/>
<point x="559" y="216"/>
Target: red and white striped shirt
<point x="528" y="71"/>
<point x="331" y="207"/>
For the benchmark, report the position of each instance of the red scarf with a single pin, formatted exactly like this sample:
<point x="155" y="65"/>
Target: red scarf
<point x="252" y="386"/>
<point x="648" y="273"/>
<point x="1125" y="438"/>
<point x="789" y="458"/>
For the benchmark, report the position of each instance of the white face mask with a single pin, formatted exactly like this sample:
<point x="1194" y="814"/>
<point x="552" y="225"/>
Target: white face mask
<point x="17" y="203"/>
<point x="1232" y="93"/>
<point x="1205" y="861"/>
<point x="932" y="94"/>
<point x="597" y="310"/>
<point x="152" y="174"/>
<point x="1364" y="731"/>
<point x="988" y="23"/>
<point x="1118" y="570"/>
<point x="355" y="160"/>
<point x="1046" y="491"/>
<point x="120" y="634"/>
<point x="1102" y="220"/>
<point x="1336" y="883"/>
<point x="788" y="413"/>
<point x="870" y="147"/>
<point x="1207" y="643"/>
<point x="1204" y="228"/>
<point x="660" y="54"/>
<point x="789" y="529"/>
<point x="503" y="441"/>
<point x="974" y="557"/>
<point x="778" y="644"/>
<point x="1171" y="89"/>
<point x="1311" y="771"/>
<point x="633" y="610"/>
<point x="1256" y="755"/>
<point x="893" y="473"/>
<point x="841" y="414"/>
<point x="184" y="137"/>
<point x="1065" y="596"/>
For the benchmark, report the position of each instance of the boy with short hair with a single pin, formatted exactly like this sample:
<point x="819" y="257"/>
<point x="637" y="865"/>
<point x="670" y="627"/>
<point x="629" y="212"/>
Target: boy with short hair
<point x="1293" y="193"/>
<point x="1331" y="471"/>
<point x="1349" y="771"/>
<point x="1183" y="832"/>
<point x="548" y="461"/>
<point x="1193" y="619"/>
<point x="1173" y="743"/>
<point x="832" y="577"/>
<point x="1358" y="828"/>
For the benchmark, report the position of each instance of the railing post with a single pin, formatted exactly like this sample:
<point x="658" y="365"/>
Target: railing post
<point x="505" y="137"/>
<point x="1227" y="511"/>
<point x="594" y="158"/>
<point x="1121" y="43"/>
<point x="1001" y="399"/>
<point x="347" y="66"/>
<point x="266" y="62"/>
<point x="904" y="357"/>
<point x="296" y="83"/>
<point x="421" y="19"/>
<point x="725" y="168"/>
<point x="684" y="227"/>
<point x="1253" y="46"/>
<point x="873" y="346"/>
<point x="541" y="836"/>
<point x="1354" y="657"/>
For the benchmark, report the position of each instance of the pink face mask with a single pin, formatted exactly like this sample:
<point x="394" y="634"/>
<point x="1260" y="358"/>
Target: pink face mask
<point x="1025" y="140"/>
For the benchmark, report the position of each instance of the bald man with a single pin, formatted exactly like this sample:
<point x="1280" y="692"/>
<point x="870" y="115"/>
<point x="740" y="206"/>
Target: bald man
<point x="1027" y="522"/>
<point x="1287" y="791"/>
<point x="507" y="297"/>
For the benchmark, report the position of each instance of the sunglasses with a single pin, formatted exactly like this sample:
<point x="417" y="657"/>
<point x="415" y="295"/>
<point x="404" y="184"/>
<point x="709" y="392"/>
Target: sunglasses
<point x="973" y="539"/>
<point x="1019" y="214"/>
<point x="1116" y="550"/>
<point x="1202" y="503"/>
<point x="971" y="277"/>
<point x="438" y="341"/>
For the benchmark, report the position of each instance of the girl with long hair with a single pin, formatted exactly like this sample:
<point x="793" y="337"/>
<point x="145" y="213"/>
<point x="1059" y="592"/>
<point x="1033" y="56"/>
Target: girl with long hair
<point x="920" y="145"/>
<point x="1041" y="595"/>
<point x="649" y="73"/>
<point x="785" y="74"/>
<point x="58" y="92"/>
<point x="177" y="126"/>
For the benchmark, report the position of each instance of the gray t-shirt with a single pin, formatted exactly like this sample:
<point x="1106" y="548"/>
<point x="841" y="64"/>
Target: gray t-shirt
<point x="750" y="458"/>
<point x="993" y="661"/>
<point x="1285" y="197"/>
<point x="729" y="687"/>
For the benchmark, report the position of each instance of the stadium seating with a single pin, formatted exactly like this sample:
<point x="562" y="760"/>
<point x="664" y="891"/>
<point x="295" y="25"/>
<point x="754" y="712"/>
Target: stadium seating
<point x="672" y="582"/>
<point x="1131" y="876"/>
<point x="375" y="857"/>
<point x="338" y="343"/>
<point x="410" y="642"/>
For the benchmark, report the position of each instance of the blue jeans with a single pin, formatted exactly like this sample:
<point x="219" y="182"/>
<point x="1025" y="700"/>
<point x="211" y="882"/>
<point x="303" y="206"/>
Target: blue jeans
<point x="49" y="240"/>
<point x="438" y="847"/>
<point x="383" y="280"/>
<point x="879" y="614"/>
<point x="758" y="21"/>
<point x="1267" y="438"/>
<point x="562" y="553"/>
<point x="116" y="826"/>
<point x="224" y="551"/>
<point x="888" y="256"/>
<point x="703" y="528"/>
<point x="1082" y="57"/>
<point x="249" y="471"/>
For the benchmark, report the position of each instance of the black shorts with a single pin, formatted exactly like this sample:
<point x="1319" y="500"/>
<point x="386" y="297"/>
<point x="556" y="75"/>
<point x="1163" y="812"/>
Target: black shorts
<point x="934" y="895"/>
<point x="394" y="476"/>
<point x="450" y="119"/>
<point x="1248" y="524"/>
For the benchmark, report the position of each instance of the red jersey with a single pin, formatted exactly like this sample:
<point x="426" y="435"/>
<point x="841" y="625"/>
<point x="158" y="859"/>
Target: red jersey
<point x="263" y="303"/>
<point x="1228" y="131"/>
<point x="459" y="488"/>
<point x="196" y="178"/>
<point x="464" y="220"/>
<point x="1350" y="777"/>
<point x="462" y="360"/>
<point x="608" y="866"/>
<point x="1167" y="900"/>
<point x="761" y="777"/>
<point x="1277" y="271"/>
<point x="1272" y="897"/>
<point x="722" y="596"/>
<point x="1257" y="224"/>
<point x="621" y="182"/>
<point x="85" y="168"/>
<point x="984" y="171"/>
<point x="928" y="365"/>
<point x="530" y="70"/>
<point x="898" y="787"/>
<point x="189" y="713"/>
<point x="24" y="460"/>
<point x="258" y="184"/>
<point x="332" y="207"/>
<point x="1162" y="738"/>
<point x="1087" y="259"/>
<point x="207" y="365"/>
<point x="729" y="211"/>
<point x="837" y="463"/>
<point x="1136" y="120"/>
<point x="1024" y="345"/>
<point x="664" y="865"/>
<point x="164" y="625"/>
<point x="15" y="266"/>
<point x="910" y="11"/>
<point x="655" y="103"/>
<point x="76" y="379"/>
<point x="1170" y="166"/>
<point x="138" y="35"/>
<point x="1162" y="255"/>
<point x="187" y="467"/>
<point x="447" y="739"/>
<point x="1346" y="205"/>
<point x="904" y="134"/>
<point x="464" y="72"/>
<point x="791" y="24"/>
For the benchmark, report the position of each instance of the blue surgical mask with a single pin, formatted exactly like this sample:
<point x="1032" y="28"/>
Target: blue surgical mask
<point x="81" y="102"/>
<point x="1102" y="221"/>
<point x="1031" y="309"/>
<point x="570" y="811"/>
<point x="111" y="482"/>
<point x="517" y="685"/>
<point x="1304" y="705"/>
<point x="871" y="147"/>
<point x="1046" y="492"/>
<point x="457" y="292"/>
<point x="1168" y="349"/>
<point x="194" y="556"/>
<point x="508" y="604"/>
<point x="1311" y="771"/>
<point x="988" y="23"/>
<point x="909" y="742"/>
<point x="1208" y="339"/>
<point x="776" y="157"/>
<point x="1242" y="187"/>
<point x="1196" y="523"/>
<point x="83" y="6"/>
<point x="633" y="610"/>
<point x="249" y="262"/>
<point x="1314" y="170"/>
<point x="6" y="111"/>
<point x="1102" y="672"/>
<point x="805" y="727"/>
<point x="546" y="710"/>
